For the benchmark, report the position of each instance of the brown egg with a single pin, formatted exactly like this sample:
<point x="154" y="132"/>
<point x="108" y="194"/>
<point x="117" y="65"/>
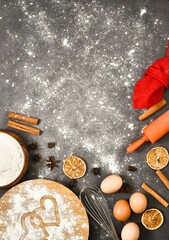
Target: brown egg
<point x="130" y="231"/>
<point x="138" y="202"/>
<point x="111" y="184"/>
<point x="121" y="210"/>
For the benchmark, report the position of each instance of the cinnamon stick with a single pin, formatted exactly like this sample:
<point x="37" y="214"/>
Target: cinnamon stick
<point x="153" y="109"/>
<point x="23" y="127"/>
<point x="163" y="178"/>
<point x="154" y="194"/>
<point x="23" y="118"/>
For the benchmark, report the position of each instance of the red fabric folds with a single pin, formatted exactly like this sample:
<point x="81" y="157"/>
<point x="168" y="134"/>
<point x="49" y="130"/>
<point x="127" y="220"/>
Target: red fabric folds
<point x="149" y="90"/>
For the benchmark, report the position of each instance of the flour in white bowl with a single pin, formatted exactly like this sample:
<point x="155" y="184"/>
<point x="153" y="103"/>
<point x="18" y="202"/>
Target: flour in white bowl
<point x="11" y="159"/>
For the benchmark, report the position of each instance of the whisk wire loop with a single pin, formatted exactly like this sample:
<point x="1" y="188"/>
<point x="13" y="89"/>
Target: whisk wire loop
<point x="96" y="206"/>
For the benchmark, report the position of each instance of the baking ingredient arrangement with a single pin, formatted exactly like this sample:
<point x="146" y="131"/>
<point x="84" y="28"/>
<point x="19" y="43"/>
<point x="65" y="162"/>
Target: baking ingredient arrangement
<point x="47" y="210"/>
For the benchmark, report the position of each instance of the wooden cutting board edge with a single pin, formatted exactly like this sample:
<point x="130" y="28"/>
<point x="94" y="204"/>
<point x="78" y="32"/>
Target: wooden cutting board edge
<point x="52" y="185"/>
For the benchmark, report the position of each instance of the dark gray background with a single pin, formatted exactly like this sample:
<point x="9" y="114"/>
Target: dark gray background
<point x="73" y="64"/>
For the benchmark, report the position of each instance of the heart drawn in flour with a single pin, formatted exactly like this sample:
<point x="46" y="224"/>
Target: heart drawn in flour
<point x="49" y="218"/>
<point x="42" y="217"/>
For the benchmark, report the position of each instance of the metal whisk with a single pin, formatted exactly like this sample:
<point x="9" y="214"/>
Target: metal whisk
<point x="96" y="206"/>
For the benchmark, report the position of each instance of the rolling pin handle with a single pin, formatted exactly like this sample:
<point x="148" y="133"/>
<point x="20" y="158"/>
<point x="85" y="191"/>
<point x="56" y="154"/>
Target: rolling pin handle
<point x="132" y="147"/>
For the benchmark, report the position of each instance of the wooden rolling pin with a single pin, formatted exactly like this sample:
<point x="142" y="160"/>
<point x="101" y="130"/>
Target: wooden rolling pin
<point x="155" y="130"/>
<point x="152" y="110"/>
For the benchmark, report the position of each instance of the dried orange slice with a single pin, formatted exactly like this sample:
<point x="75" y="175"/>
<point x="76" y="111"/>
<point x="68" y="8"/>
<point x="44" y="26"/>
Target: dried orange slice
<point x="74" y="167"/>
<point x="152" y="219"/>
<point x="157" y="158"/>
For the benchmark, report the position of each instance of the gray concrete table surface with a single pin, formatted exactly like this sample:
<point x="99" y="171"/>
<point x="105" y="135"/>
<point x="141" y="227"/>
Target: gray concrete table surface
<point x="73" y="64"/>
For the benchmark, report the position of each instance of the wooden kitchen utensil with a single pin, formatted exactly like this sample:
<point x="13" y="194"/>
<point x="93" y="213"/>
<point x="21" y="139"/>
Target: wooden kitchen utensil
<point x="152" y="132"/>
<point x="153" y="109"/>
<point x="42" y="209"/>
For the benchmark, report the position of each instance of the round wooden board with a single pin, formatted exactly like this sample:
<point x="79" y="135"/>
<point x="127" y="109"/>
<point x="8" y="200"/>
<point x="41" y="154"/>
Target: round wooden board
<point x="42" y="210"/>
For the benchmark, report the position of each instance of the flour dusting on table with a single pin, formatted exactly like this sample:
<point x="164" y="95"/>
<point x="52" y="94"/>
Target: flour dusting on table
<point x="74" y="64"/>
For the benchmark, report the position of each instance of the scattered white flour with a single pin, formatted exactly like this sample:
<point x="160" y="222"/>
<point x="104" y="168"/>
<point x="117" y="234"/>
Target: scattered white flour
<point x="79" y="67"/>
<point x="64" y="210"/>
<point x="66" y="42"/>
<point x="131" y="52"/>
<point x="110" y="162"/>
<point x="143" y="11"/>
<point x="11" y="159"/>
<point x="131" y="126"/>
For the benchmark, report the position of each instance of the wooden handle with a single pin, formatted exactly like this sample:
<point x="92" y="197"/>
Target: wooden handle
<point x="132" y="147"/>
<point x="153" y="109"/>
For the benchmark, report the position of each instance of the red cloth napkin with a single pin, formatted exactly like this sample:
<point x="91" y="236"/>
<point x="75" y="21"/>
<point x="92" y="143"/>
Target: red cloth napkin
<point x="149" y="89"/>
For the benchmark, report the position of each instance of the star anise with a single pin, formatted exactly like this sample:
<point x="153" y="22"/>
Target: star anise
<point x="51" y="144"/>
<point x="33" y="146"/>
<point x="36" y="158"/>
<point x="131" y="169"/>
<point x="73" y="183"/>
<point x="51" y="162"/>
<point x="126" y="188"/>
<point x="96" y="171"/>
